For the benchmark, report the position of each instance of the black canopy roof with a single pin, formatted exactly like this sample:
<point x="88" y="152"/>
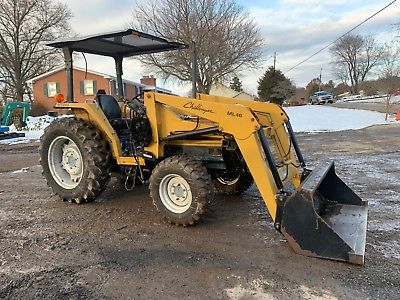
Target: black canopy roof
<point x="118" y="44"/>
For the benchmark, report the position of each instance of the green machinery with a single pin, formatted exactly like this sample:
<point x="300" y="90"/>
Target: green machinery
<point x="10" y="107"/>
<point x="6" y="120"/>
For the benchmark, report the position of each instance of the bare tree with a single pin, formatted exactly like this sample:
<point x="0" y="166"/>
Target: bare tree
<point x="227" y="40"/>
<point x="24" y="27"/>
<point x="390" y="70"/>
<point x="340" y="72"/>
<point x="355" y="57"/>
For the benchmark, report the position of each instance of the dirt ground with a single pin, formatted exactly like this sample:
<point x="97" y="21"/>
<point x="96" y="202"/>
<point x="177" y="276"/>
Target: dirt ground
<point x="117" y="247"/>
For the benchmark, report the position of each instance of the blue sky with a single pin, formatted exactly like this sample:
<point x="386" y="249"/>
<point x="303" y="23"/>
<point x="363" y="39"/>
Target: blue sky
<point x="294" y="29"/>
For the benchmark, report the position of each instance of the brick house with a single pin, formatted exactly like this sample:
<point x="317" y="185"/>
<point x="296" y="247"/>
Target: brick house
<point x="86" y="84"/>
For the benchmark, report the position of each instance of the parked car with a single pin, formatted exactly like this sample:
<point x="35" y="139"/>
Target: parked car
<point x="321" y="97"/>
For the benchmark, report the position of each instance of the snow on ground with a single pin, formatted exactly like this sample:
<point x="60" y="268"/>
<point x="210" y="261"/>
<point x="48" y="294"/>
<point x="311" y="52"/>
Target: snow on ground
<point x="372" y="99"/>
<point x="308" y="118"/>
<point x="33" y="130"/>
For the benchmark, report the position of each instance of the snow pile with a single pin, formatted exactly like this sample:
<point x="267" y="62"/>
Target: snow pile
<point x="372" y="99"/>
<point x="310" y="118"/>
<point x="38" y="123"/>
<point x="33" y="130"/>
<point x="35" y="126"/>
<point x="23" y="170"/>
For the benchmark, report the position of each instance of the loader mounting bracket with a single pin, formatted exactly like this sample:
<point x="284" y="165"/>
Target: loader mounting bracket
<point x="281" y="198"/>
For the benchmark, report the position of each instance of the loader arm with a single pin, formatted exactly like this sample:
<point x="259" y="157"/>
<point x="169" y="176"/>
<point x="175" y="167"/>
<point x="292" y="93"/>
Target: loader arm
<point x="245" y="127"/>
<point x="268" y="115"/>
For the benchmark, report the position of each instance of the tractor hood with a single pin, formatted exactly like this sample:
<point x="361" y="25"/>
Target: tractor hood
<point x="118" y="44"/>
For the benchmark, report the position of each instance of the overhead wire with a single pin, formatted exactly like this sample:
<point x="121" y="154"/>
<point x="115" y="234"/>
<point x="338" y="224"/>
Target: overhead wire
<point x="343" y="35"/>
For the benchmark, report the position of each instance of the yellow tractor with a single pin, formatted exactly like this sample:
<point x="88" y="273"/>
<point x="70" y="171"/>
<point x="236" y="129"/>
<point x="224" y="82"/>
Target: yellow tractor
<point x="189" y="148"/>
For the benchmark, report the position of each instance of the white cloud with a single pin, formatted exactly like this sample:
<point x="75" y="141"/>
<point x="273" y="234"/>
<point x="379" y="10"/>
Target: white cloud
<point x="314" y="2"/>
<point x="94" y="16"/>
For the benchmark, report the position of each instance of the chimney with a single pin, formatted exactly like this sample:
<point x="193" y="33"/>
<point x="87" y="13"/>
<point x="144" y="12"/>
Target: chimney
<point x="148" y="80"/>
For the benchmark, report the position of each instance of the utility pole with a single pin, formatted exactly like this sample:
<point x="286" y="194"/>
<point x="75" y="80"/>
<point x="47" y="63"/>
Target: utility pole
<point x="320" y="80"/>
<point x="274" y="61"/>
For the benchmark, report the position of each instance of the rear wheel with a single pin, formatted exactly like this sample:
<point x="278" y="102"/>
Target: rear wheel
<point x="181" y="188"/>
<point x="75" y="160"/>
<point x="233" y="184"/>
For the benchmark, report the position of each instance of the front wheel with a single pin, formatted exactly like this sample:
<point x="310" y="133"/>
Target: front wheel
<point x="181" y="188"/>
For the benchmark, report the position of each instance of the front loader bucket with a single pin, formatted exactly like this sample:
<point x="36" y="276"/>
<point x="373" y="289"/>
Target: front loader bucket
<point x="325" y="218"/>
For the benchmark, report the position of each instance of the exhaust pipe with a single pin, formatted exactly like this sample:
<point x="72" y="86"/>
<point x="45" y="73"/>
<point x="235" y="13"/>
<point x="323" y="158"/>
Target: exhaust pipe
<point x="324" y="218"/>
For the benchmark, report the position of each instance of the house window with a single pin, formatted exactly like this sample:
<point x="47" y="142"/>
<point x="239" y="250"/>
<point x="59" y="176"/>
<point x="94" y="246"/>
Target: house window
<point x="88" y="87"/>
<point x="51" y="89"/>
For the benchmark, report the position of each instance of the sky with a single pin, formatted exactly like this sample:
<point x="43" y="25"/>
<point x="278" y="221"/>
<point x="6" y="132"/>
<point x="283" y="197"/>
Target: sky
<point x="294" y="29"/>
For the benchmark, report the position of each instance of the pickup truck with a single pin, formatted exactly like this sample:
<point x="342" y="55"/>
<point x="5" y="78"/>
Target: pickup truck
<point x="321" y="97"/>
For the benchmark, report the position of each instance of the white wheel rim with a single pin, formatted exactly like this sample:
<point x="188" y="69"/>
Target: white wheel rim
<point x="175" y="193"/>
<point x="65" y="162"/>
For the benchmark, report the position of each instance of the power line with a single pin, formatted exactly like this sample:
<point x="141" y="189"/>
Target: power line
<point x="284" y="65"/>
<point x="352" y="29"/>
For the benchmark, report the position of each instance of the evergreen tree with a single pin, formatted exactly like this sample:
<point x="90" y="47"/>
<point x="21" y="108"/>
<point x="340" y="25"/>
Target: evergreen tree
<point x="330" y="86"/>
<point x="273" y="86"/>
<point x="236" y="84"/>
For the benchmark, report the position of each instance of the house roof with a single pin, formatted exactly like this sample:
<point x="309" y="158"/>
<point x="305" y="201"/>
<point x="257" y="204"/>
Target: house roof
<point x="106" y="76"/>
<point x="61" y="68"/>
<point x="118" y="44"/>
<point x="233" y="93"/>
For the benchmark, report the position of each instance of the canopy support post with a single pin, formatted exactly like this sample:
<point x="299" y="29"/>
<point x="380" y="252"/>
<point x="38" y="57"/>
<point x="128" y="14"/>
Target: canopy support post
<point x="70" y="73"/>
<point x="118" y="67"/>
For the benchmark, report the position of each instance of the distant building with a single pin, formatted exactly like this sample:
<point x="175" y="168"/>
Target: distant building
<point x="86" y="84"/>
<point x="219" y="89"/>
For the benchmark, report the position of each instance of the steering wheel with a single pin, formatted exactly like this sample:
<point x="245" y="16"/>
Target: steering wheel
<point x="135" y="103"/>
<point x="137" y="97"/>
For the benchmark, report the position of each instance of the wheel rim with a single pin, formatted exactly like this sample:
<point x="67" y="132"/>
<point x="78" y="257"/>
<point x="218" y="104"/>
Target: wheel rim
<point x="175" y="193"/>
<point x="65" y="162"/>
<point x="228" y="181"/>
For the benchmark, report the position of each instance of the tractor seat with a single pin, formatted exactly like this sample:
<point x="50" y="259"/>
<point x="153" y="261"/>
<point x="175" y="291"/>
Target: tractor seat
<point x="111" y="109"/>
